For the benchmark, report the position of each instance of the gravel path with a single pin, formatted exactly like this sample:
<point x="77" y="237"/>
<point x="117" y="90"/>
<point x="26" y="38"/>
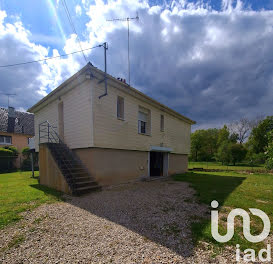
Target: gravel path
<point x="134" y="223"/>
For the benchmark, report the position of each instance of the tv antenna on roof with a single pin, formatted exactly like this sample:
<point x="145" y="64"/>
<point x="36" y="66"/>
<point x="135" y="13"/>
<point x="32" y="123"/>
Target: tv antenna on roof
<point x="128" y="19"/>
<point x="8" y="95"/>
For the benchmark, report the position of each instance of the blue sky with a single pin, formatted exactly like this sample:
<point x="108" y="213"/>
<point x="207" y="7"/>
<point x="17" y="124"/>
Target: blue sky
<point x="210" y="60"/>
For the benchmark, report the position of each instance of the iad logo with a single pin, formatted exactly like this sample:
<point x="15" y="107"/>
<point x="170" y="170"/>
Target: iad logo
<point x="246" y="231"/>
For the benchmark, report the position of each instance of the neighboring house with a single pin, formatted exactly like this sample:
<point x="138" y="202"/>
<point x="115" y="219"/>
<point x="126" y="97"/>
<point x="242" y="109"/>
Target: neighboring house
<point x="16" y="128"/>
<point x="122" y="136"/>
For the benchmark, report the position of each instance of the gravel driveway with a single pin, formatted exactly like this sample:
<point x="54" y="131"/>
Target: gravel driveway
<point x="145" y="222"/>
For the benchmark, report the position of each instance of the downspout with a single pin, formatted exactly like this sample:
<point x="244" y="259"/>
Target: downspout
<point x="105" y="70"/>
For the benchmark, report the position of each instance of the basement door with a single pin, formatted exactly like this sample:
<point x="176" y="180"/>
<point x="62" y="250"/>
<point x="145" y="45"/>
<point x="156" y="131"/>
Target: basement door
<point x="156" y="163"/>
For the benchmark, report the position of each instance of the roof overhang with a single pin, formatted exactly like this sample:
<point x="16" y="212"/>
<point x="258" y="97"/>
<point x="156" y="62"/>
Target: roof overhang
<point x="113" y="82"/>
<point x="160" y="149"/>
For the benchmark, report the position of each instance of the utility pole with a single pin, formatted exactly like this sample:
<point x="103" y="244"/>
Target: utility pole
<point x="128" y="19"/>
<point x="105" y="46"/>
<point x="8" y="95"/>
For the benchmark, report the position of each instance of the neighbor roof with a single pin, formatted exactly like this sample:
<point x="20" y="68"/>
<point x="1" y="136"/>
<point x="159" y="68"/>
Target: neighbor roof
<point x="24" y="122"/>
<point x="110" y="77"/>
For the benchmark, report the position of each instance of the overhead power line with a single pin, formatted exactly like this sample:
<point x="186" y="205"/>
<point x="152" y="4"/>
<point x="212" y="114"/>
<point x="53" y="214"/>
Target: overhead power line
<point x="49" y="58"/>
<point x="73" y="27"/>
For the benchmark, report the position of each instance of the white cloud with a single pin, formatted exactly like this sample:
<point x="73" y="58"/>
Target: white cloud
<point x="78" y="10"/>
<point x="32" y="81"/>
<point x="192" y="57"/>
<point x="207" y="64"/>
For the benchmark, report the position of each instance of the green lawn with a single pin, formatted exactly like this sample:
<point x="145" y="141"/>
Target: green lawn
<point x="219" y="166"/>
<point x="19" y="192"/>
<point x="231" y="190"/>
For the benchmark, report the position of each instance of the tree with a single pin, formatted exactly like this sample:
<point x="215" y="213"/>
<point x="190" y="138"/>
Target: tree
<point x="223" y="135"/>
<point x="211" y="142"/>
<point x="269" y="151"/>
<point x="241" y="128"/>
<point x="223" y="153"/>
<point x="196" y="143"/>
<point x="258" y="140"/>
<point x="237" y="152"/>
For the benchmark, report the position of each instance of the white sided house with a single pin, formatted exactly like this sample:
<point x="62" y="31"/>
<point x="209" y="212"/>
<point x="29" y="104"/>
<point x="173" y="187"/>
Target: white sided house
<point x="86" y="140"/>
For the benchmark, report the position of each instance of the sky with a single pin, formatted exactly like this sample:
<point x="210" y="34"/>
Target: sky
<point x="210" y="60"/>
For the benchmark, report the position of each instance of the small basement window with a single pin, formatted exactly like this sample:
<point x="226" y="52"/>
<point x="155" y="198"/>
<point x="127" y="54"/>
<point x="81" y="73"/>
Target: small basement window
<point x="5" y="140"/>
<point x="162" y="123"/>
<point x="120" y="108"/>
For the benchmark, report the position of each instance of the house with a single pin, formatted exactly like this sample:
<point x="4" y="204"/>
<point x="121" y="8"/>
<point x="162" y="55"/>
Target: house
<point x="16" y="129"/>
<point x="114" y="131"/>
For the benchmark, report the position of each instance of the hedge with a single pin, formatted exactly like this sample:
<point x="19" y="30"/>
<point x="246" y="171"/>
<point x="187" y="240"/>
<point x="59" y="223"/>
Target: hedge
<point x="7" y="156"/>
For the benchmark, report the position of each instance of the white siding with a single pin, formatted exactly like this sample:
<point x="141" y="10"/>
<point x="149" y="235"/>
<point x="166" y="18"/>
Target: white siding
<point x="94" y="123"/>
<point x="110" y="132"/>
<point x="50" y="113"/>
<point x="77" y="116"/>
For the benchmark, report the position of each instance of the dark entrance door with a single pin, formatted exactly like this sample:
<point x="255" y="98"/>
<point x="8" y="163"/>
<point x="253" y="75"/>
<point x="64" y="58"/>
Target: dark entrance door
<point x="156" y="164"/>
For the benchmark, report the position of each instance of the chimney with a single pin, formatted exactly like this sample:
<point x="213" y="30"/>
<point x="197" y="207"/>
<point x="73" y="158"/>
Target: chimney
<point x="122" y="80"/>
<point x="11" y="119"/>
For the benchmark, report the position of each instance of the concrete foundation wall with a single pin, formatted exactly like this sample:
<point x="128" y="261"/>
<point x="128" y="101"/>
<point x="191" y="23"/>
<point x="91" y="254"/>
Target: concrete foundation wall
<point x="114" y="166"/>
<point x="177" y="163"/>
<point x="50" y="175"/>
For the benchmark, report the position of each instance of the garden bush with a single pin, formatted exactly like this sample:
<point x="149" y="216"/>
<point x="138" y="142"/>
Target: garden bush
<point x="7" y="156"/>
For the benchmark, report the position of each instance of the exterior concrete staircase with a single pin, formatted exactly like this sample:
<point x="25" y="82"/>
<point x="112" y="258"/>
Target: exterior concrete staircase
<point x="75" y="173"/>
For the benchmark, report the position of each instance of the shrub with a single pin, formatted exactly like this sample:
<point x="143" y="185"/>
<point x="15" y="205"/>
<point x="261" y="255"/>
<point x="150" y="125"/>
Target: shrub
<point x="26" y="164"/>
<point x="254" y="158"/>
<point x="13" y="149"/>
<point x="26" y="153"/>
<point x="237" y="152"/>
<point x="6" y="160"/>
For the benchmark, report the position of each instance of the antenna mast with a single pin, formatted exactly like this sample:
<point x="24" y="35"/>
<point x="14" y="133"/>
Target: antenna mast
<point x="8" y="95"/>
<point x="128" y="19"/>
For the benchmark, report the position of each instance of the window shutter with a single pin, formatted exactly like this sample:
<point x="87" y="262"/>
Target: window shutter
<point x="120" y="107"/>
<point x="142" y="116"/>
<point x="162" y="123"/>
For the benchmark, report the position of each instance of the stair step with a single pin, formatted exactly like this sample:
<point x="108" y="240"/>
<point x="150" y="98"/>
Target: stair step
<point x="79" y="173"/>
<point x="85" y="184"/>
<point x="74" y="172"/>
<point x="75" y="169"/>
<point x="84" y="178"/>
<point x="86" y="189"/>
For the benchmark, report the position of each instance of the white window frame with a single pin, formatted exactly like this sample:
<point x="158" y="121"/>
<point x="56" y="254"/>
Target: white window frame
<point x="5" y="142"/>
<point x="143" y="119"/>
<point x="140" y="122"/>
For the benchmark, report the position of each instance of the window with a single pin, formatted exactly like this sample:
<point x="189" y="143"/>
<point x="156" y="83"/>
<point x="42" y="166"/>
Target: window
<point x="161" y="123"/>
<point x="142" y="122"/>
<point x="5" y="140"/>
<point x="120" y="107"/>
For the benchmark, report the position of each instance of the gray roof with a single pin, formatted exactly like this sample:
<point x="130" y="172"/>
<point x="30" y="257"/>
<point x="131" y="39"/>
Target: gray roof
<point x="21" y="123"/>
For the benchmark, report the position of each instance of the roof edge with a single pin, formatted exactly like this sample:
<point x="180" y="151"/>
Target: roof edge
<point x="52" y="93"/>
<point x="90" y="66"/>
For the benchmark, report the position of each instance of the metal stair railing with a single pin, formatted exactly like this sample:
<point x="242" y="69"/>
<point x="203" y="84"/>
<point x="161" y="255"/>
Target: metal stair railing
<point x="48" y="134"/>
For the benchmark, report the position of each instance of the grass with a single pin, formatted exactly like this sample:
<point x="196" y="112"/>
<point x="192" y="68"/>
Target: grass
<point x="19" y="192"/>
<point x="219" y="166"/>
<point x="232" y="190"/>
